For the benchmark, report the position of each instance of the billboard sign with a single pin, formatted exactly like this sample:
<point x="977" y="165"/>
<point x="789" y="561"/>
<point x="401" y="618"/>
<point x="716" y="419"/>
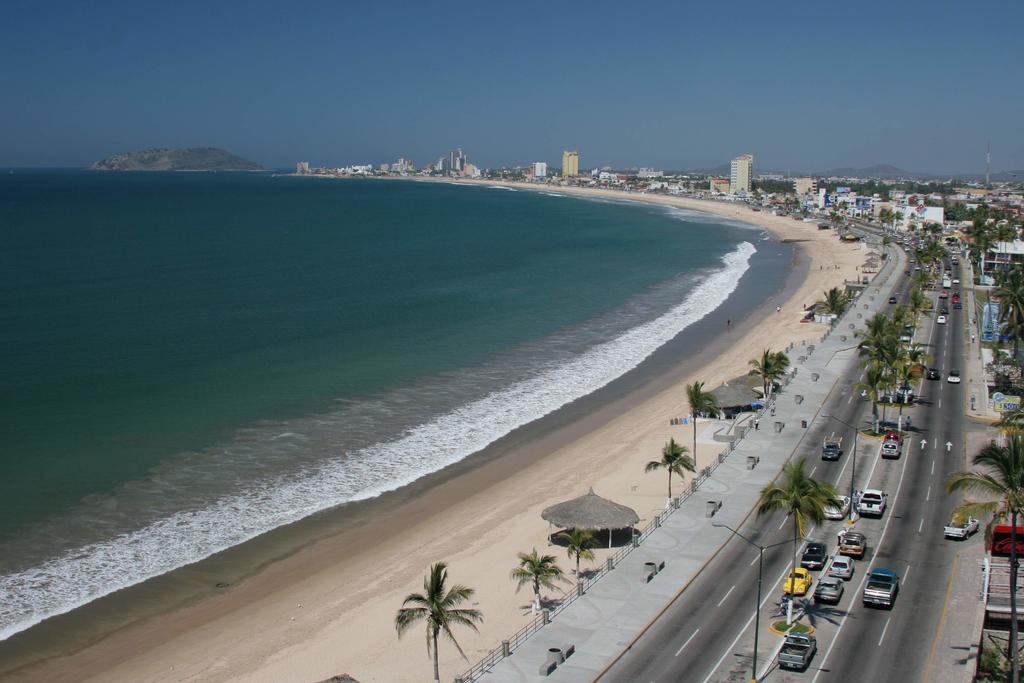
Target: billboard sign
<point x="990" y="324"/>
<point x="842" y="190"/>
<point x="862" y="203"/>
<point x="1003" y="402"/>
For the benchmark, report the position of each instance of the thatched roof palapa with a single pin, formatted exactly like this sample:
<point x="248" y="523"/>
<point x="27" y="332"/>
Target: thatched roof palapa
<point x="590" y="511"/>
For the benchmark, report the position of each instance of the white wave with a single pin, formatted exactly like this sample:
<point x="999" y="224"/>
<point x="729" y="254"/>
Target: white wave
<point x="84" y="574"/>
<point x="554" y="194"/>
<point x="502" y="187"/>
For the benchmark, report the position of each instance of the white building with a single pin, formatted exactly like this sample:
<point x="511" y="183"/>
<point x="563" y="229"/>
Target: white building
<point x="741" y="173"/>
<point x="919" y="214"/>
<point x="540" y="169"/>
<point x="648" y="173"/>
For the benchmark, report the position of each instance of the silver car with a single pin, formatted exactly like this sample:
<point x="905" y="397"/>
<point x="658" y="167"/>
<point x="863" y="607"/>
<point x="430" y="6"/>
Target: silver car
<point x="830" y="589"/>
<point x="841" y="568"/>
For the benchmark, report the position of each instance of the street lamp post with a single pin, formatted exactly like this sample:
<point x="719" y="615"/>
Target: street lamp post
<point x="853" y="464"/>
<point x="760" y="575"/>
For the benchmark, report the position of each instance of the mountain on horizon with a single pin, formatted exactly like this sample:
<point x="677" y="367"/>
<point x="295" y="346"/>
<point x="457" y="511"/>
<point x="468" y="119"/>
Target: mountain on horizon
<point x="162" y="159"/>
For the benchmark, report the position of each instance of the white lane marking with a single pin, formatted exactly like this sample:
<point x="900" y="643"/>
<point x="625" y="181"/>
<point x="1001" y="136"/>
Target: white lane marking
<point x="933" y="467"/>
<point x="687" y="642"/>
<point x="883" y="632"/>
<point x="935" y="442"/>
<point x="813" y="470"/>
<point x="940" y="403"/>
<point x="849" y="400"/>
<point x="864" y="578"/>
<point x="783" y="522"/>
<point x="726" y="596"/>
<point x="928" y="496"/>
<point x="754" y="560"/>
<point x="920" y="526"/>
<point x="903" y="582"/>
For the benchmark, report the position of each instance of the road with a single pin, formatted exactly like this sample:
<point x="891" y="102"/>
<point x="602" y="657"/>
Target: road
<point x="707" y="633"/>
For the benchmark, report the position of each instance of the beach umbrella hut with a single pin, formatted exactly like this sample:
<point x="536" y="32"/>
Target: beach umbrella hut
<point x="738" y="395"/>
<point x="592" y="512"/>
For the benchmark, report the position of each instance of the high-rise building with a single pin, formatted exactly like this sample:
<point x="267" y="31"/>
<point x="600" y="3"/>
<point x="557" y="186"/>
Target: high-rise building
<point x="741" y="173"/>
<point x="457" y="160"/>
<point x="540" y="169"/>
<point x="805" y="186"/>
<point x="570" y="164"/>
<point x="302" y="167"/>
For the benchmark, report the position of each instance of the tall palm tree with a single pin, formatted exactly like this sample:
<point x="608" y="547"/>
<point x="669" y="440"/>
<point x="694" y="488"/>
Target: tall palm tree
<point x="769" y="367"/>
<point x="1001" y="479"/>
<point x="1010" y="292"/>
<point x="701" y="403"/>
<point x="835" y="301"/>
<point x="874" y="384"/>
<point x="1012" y="421"/>
<point x="538" y="570"/>
<point x="674" y="458"/>
<point x="904" y="375"/>
<point x="800" y="497"/>
<point x="579" y="544"/>
<point x="438" y="606"/>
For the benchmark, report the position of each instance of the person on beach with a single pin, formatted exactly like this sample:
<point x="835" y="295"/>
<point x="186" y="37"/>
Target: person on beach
<point x="778" y="309"/>
<point x="757" y="423"/>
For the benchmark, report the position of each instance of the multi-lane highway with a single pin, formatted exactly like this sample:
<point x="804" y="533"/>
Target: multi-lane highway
<point x="707" y="634"/>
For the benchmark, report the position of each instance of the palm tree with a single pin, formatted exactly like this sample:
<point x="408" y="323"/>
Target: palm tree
<point x="437" y="605"/>
<point x="1010" y="292"/>
<point x="674" y="458"/>
<point x="1001" y="478"/>
<point x="769" y="367"/>
<point x="800" y="497"/>
<point x="538" y="570"/>
<point x="579" y="544"/>
<point x="874" y="384"/>
<point x="835" y="301"/>
<point x="1012" y="421"/>
<point x="905" y="374"/>
<point x="918" y="302"/>
<point x="701" y="403"/>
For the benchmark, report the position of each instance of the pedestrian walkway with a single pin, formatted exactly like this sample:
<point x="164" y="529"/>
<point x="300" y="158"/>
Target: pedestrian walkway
<point x="977" y="388"/>
<point x="617" y="609"/>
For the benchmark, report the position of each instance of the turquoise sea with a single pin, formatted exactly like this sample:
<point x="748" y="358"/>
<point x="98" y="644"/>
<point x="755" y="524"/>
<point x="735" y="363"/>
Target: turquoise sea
<point x="188" y="360"/>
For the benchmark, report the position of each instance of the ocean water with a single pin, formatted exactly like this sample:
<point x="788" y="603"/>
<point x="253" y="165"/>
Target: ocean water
<point x="190" y="360"/>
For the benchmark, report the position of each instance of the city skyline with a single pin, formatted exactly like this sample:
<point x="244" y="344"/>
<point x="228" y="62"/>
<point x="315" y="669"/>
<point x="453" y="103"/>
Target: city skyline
<point x="343" y="85"/>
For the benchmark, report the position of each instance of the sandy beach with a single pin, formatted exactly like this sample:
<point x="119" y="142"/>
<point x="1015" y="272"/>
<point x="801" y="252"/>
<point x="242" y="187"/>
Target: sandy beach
<point x="328" y="608"/>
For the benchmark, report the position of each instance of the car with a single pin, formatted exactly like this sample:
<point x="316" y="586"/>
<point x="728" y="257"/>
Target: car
<point x="953" y="377"/>
<point x="961" y="530"/>
<point x="907" y="273"/>
<point x="906" y="338"/>
<point x="841" y="567"/>
<point x="933" y="373"/>
<point x="883" y="585"/>
<point x="944" y="311"/>
<point x="872" y="503"/>
<point x="829" y="590"/>
<point x="890" y="449"/>
<point x="956" y="297"/>
<point x="814" y="557"/>
<point x="840" y="511"/>
<point x="797" y="651"/>
<point x="941" y="320"/>
<point x="957" y="305"/>
<point x="956" y="281"/>
<point x="892" y="299"/>
<point x="943" y="294"/>
<point x="799" y="582"/>
<point x="892" y="435"/>
<point x="852" y="543"/>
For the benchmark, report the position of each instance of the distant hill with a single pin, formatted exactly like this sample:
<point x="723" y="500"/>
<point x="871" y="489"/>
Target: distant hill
<point x="192" y="159"/>
<point x="876" y="171"/>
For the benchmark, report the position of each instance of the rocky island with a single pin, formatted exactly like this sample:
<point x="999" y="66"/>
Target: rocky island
<point x="192" y="159"/>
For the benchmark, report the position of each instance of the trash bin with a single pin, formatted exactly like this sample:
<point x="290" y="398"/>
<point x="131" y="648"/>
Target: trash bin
<point x="803" y="423"/>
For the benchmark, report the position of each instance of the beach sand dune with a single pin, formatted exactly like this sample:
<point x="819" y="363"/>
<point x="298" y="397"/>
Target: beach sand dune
<point x="329" y="608"/>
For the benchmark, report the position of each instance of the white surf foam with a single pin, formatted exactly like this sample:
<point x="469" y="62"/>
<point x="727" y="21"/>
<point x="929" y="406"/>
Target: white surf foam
<point x="79" y="576"/>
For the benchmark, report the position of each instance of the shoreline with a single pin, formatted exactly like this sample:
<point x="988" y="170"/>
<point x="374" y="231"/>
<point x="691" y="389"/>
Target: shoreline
<point x="464" y="514"/>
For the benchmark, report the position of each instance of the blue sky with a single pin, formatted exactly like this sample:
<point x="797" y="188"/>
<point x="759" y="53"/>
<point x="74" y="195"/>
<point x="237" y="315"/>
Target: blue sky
<point x="921" y="85"/>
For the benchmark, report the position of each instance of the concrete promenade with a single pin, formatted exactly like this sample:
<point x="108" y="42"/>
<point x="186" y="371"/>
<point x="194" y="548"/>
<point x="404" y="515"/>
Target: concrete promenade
<point x="619" y="607"/>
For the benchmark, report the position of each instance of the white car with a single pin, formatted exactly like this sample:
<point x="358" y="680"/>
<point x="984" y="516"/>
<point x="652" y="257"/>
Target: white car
<point x="841" y="567"/>
<point x="953" y="377"/>
<point x="962" y="530"/>
<point x="872" y="502"/>
<point x="956" y="281"/>
<point x="941" y="320"/>
<point x="840" y="512"/>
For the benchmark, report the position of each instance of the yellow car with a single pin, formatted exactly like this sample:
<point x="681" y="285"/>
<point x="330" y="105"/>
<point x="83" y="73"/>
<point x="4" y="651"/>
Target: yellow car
<point x="799" y="582"/>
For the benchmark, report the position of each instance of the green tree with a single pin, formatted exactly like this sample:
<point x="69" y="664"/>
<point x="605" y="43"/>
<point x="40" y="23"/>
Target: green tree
<point x="674" y="459"/>
<point x="579" y="544"/>
<point x="701" y="403"/>
<point x="1000" y="478"/>
<point x="438" y="606"/>
<point x="874" y="385"/>
<point x="536" y="570"/>
<point x="769" y="367"/>
<point x="1010" y="292"/>
<point x="835" y="301"/>
<point x="802" y="499"/>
